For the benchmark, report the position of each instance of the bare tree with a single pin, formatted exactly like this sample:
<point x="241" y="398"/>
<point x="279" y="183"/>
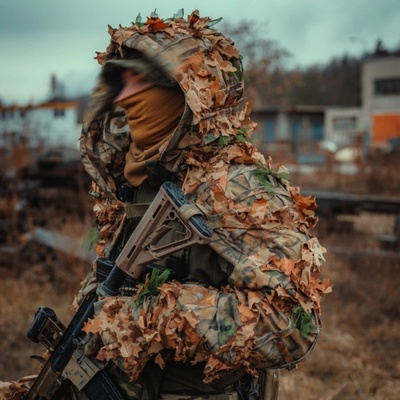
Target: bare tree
<point x="264" y="60"/>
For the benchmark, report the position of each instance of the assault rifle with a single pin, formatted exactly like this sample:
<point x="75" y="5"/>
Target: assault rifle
<point x="67" y="364"/>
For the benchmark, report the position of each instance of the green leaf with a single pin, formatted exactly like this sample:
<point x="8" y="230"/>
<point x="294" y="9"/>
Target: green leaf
<point x="151" y="286"/>
<point x="283" y="176"/>
<point x="223" y="141"/>
<point x="238" y="74"/>
<point x="262" y="174"/>
<point x="209" y="137"/>
<point x="157" y="279"/>
<point x="241" y="136"/>
<point x="302" y="320"/>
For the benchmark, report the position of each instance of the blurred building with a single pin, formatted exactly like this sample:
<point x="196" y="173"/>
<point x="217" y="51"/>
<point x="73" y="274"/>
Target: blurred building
<point x="381" y="100"/>
<point x="51" y="124"/>
<point x="292" y="134"/>
<point x="376" y="124"/>
<point x="312" y="134"/>
<point x="343" y="126"/>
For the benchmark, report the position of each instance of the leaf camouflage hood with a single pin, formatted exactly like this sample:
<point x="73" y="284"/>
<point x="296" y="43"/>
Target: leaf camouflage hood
<point x="208" y="69"/>
<point x="261" y="222"/>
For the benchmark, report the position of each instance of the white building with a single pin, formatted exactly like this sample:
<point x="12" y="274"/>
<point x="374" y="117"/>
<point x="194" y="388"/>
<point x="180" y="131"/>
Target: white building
<point x="53" y="125"/>
<point x="344" y="126"/>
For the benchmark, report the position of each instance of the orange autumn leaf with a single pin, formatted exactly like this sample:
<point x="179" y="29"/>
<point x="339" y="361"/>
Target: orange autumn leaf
<point x="306" y="204"/>
<point x="93" y="326"/>
<point x="107" y="353"/>
<point x="229" y="50"/>
<point x="156" y="24"/>
<point x="193" y="18"/>
<point x="324" y="287"/>
<point x="285" y="265"/>
<point x="246" y="314"/>
<point x="192" y="63"/>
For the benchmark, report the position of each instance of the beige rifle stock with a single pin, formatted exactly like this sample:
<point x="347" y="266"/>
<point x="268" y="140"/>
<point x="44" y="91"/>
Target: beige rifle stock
<point x="143" y="247"/>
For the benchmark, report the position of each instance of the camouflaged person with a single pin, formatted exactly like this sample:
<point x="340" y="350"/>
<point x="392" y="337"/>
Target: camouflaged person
<point x="169" y="106"/>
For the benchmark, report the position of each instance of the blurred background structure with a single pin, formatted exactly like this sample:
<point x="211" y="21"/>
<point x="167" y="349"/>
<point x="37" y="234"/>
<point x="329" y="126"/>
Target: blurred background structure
<point x="335" y="124"/>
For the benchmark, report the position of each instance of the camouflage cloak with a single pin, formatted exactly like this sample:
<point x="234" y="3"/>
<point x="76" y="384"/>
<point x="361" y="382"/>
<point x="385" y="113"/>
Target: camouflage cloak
<point x="268" y="316"/>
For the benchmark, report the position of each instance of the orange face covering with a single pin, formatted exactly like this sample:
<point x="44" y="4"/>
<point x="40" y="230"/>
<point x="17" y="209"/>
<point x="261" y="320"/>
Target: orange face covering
<point x="152" y="115"/>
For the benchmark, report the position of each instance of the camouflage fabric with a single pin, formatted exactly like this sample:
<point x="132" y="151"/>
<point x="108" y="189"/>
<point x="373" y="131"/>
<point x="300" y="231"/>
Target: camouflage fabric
<point x="268" y="315"/>
<point x="104" y="143"/>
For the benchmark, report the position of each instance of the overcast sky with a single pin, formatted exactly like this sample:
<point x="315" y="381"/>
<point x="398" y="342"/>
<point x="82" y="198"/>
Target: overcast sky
<point x="43" y="37"/>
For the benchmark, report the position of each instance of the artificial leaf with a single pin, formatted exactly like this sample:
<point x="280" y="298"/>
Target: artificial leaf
<point x="155" y="24"/>
<point x="213" y="22"/>
<point x="302" y="320"/>
<point x="179" y="14"/>
<point x="138" y="20"/>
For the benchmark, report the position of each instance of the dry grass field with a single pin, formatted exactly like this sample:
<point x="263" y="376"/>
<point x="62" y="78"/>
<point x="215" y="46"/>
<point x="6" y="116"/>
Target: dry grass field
<point x="357" y="356"/>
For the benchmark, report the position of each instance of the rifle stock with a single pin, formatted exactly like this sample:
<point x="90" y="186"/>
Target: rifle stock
<point x="67" y="364"/>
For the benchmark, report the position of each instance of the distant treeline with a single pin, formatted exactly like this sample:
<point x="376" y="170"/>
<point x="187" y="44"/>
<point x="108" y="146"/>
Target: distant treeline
<point x="269" y="82"/>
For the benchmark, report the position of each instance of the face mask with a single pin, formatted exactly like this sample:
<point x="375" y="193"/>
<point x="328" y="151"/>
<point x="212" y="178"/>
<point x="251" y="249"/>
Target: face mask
<point x="152" y="115"/>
